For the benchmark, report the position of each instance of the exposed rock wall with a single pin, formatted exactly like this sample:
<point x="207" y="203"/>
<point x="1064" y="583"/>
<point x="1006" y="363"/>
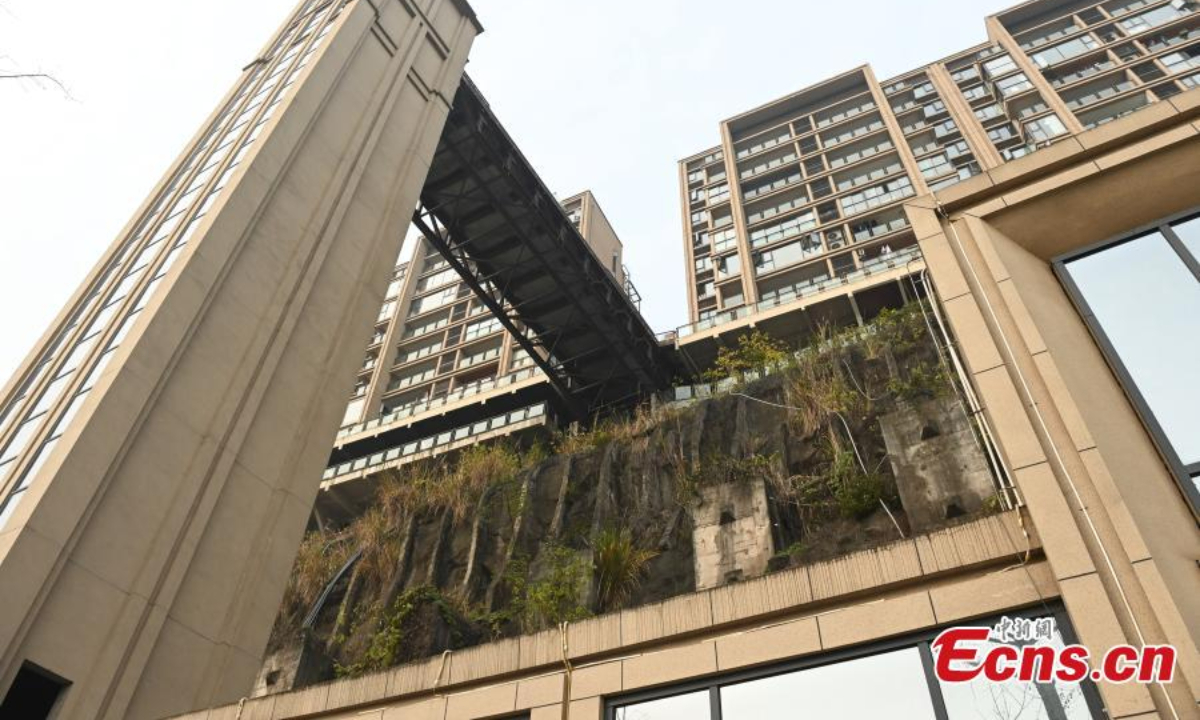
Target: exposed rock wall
<point x="722" y="490"/>
<point x="731" y="533"/>
<point x="928" y="448"/>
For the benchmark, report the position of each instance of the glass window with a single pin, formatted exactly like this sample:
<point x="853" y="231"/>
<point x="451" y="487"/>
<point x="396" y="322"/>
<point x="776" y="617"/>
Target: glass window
<point x="692" y="706"/>
<point x="387" y="310"/>
<point x="51" y="394"/>
<point x="82" y="348"/>
<point x="728" y="266"/>
<point x="1189" y="232"/>
<point x="1151" y="19"/>
<point x="999" y="65"/>
<point x="39" y="459"/>
<point x="96" y="370"/>
<point x="68" y="415"/>
<point x="789" y="254"/>
<point x="895" y="682"/>
<point x="20" y="439"/>
<point x="779" y="231"/>
<point x="1183" y="60"/>
<point x="896" y="679"/>
<point x="9" y="506"/>
<point x="1045" y="128"/>
<point x="1146" y="300"/>
<point x="982" y="699"/>
<point x="987" y="112"/>
<point x="1013" y="84"/>
<point x="974" y="93"/>
<point x="1048" y="33"/>
<point x="1065" y="51"/>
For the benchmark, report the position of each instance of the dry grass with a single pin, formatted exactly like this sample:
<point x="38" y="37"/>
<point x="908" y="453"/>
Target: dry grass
<point x="443" y="487"/>
<point x="816" y="388"/>
<point x="374" y="534"/>
<point x="319" y="557"/>
<point x="479" y="468"/>
<point x="403" y="492"/>
<point x="623" y="429"/>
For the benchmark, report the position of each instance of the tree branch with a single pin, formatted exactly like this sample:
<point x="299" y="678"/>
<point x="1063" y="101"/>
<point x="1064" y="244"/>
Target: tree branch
<point x="37" y="76"/>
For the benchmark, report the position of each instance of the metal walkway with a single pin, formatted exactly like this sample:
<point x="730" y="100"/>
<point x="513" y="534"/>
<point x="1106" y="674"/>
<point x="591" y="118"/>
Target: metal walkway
<point x="489" y="214"/>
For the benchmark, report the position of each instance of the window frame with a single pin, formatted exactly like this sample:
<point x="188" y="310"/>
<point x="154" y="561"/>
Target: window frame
<point x="29" y="668"/>
<point x="920" y="639"/>
<point x="1181" y="473"/>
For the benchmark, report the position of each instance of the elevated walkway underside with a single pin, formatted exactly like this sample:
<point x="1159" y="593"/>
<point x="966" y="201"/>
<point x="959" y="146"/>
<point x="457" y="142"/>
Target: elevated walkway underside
<point x="489" y="214"/>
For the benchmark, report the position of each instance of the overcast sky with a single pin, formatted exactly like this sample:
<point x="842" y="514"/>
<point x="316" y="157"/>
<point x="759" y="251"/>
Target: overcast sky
<point x="604" y="96"/>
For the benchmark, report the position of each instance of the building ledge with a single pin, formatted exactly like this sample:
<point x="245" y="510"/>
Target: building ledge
<point x="981" y="550"/>
<point x="1070" y="152"/>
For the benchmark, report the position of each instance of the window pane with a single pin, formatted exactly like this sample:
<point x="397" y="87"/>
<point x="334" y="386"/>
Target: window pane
<point x="9" y="506"/>
<point x="1189" y="232"/>
<point x="20" y="439"/>
<point x="898" y="691"/>
<point x="1147" y="302"/>
<point x="982" y="699"/>
<point x="693" y="706"/>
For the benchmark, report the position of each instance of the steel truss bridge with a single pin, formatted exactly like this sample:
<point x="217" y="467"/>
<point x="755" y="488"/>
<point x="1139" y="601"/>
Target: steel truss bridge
<point x="485" y="209"/>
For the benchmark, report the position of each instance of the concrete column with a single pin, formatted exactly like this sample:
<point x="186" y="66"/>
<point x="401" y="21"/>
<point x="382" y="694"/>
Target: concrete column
<point x="147" y="559"/>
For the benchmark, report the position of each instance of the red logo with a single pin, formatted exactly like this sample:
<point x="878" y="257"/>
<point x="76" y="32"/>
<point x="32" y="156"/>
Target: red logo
<point x="1031" y="651"/>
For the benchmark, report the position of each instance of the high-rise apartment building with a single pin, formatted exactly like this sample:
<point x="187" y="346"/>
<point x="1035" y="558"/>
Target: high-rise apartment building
<point x="163" y="443"/>
<point x="803" y="198"/>
<point x="439" y="364"/>
<point x="433" y="339"/>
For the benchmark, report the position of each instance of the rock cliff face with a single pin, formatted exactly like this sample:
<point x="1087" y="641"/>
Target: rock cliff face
<point x="852" y="446"/>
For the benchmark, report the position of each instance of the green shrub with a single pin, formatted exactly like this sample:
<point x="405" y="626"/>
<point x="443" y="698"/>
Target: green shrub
<point x="386" y="644"/>
<point x="859" y="495"/>
<point x="795" y="550"/>
<point x="920" y="381"/>
<point x="554" y="596"/>
<point x="753" y="351"/>
<point x="619" y="565"/>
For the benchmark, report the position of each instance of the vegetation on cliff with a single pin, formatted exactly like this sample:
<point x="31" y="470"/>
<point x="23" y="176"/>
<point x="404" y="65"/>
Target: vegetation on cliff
<point x="504" y="539"/>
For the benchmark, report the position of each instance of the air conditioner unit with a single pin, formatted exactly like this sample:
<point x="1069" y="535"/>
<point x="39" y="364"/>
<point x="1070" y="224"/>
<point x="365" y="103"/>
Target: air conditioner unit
<point x="834" y="239"/>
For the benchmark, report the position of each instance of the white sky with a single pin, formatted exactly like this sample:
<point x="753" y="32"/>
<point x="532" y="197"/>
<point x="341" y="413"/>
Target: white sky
<point x="606" y="96"/>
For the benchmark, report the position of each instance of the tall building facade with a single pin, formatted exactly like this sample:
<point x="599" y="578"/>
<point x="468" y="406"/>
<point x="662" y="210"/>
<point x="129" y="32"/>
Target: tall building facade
<point x="163" y="443"/>
<point x="440" y="364"/>
<point x="806" y="192"/>
<point x="433" y="339"/>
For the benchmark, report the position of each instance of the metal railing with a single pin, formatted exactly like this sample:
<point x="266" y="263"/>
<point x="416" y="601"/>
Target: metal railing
<point x="683" y="394"/>
<point x="408" y="411"/>
<point x="433" y="442"/>
<point x="802" y="290"/>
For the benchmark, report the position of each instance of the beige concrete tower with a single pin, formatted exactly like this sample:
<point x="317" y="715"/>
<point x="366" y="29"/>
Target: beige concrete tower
<point x="162" y="445"/>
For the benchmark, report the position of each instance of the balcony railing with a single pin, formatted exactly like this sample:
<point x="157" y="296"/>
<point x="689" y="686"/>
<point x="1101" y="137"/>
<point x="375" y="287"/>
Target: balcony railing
<point x="802" y="290"/>
<point x="433" y="442"/>
<point x="408" y="411"/>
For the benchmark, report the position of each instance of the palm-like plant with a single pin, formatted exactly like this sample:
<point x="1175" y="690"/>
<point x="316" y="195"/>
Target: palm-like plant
<point x="619" y="564"/>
